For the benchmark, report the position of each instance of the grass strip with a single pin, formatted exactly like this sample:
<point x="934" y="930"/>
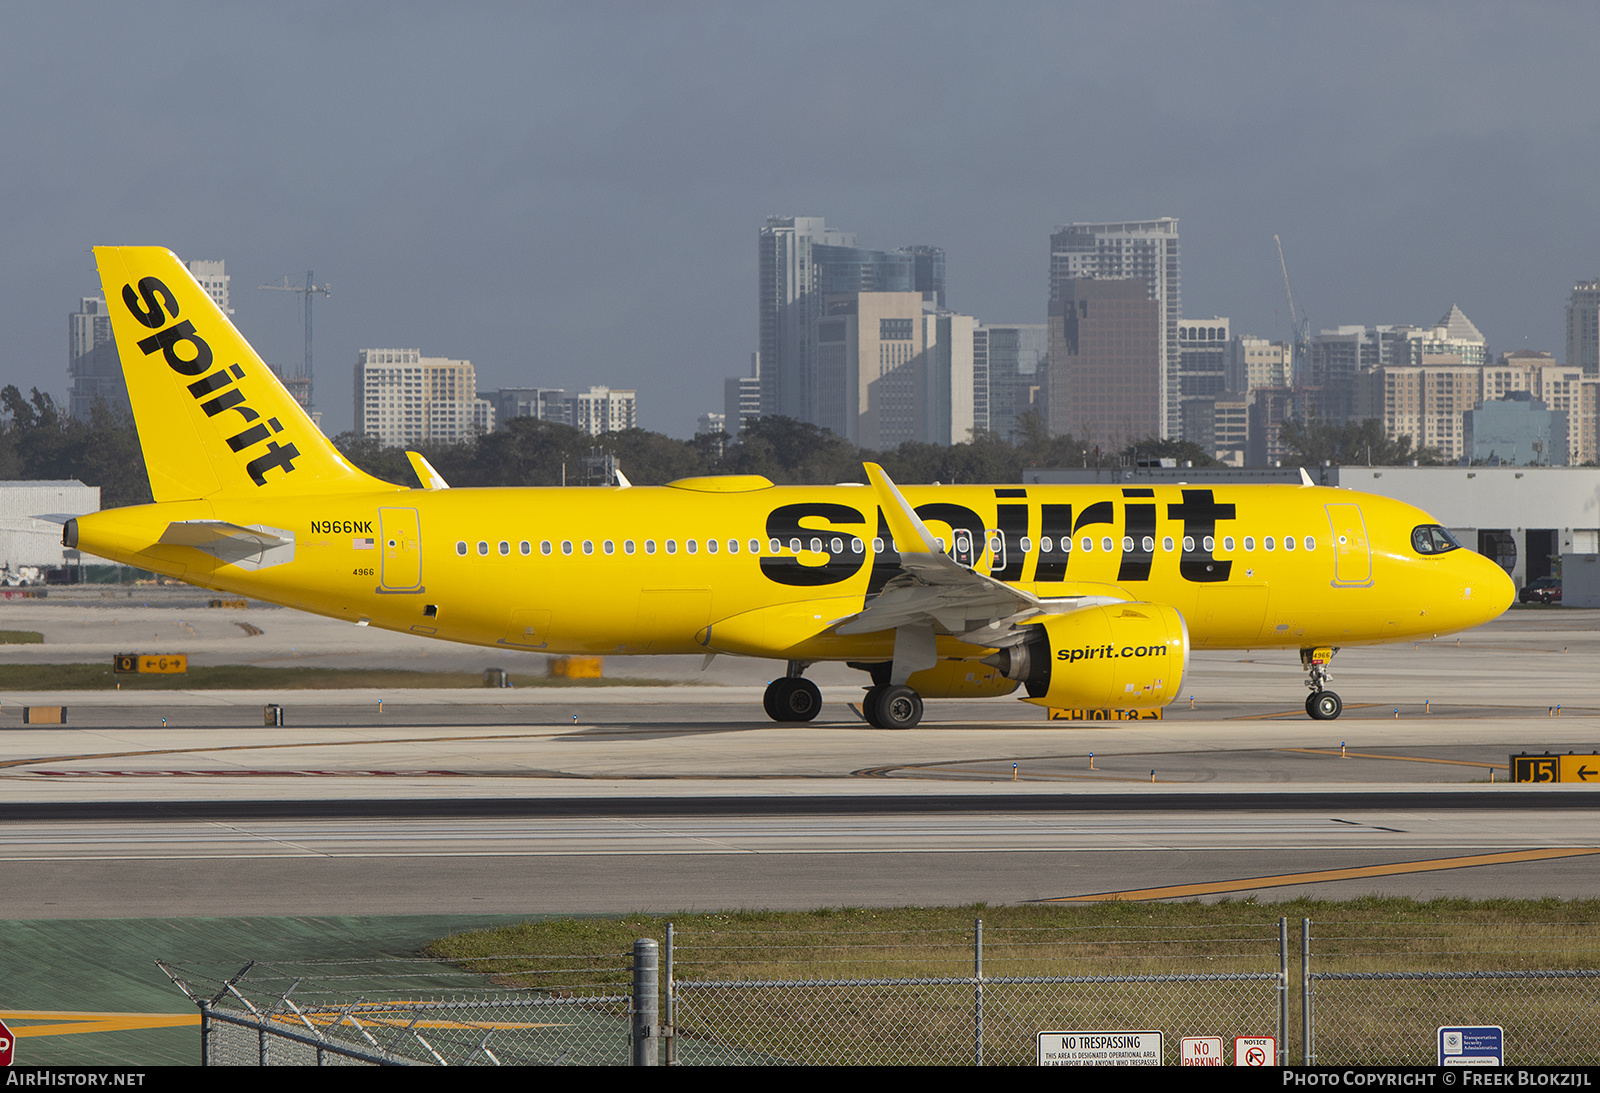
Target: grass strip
<point x="1550" y="1020"/>
<point x="244" y="677"/>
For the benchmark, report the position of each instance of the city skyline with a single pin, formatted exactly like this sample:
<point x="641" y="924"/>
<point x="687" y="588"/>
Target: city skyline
<point x="567" y="196"/>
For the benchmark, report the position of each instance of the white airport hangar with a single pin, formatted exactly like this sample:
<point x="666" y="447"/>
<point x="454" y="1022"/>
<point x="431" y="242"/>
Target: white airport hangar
<point x="26" y="540"/>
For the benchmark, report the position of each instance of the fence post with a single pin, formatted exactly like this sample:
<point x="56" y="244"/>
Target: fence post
<point x="977" y="990"/>
<point x="671" y="1028"/>
<point x="1307" y="1055"/>
<point x="645" y="957"/>
<point x="205" y="1033"/>
<point x="1283" y="991"/>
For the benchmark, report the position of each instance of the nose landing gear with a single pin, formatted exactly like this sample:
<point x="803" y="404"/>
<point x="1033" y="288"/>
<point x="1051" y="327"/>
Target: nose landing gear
<point x="1321" y="704"/>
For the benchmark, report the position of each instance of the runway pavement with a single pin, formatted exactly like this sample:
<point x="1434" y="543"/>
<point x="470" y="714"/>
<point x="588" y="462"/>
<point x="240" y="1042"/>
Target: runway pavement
<point x="158" y="808"/>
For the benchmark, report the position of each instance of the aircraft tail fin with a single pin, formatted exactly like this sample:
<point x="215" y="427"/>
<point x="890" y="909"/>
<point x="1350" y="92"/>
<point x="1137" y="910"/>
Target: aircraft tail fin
<point x="212" y="418"/>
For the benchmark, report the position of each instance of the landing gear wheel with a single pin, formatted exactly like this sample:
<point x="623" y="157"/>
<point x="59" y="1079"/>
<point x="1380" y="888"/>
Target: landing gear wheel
<point x="894" y="707"/>
<point x="792" y="698"/>
<point x="1324" y="705"/>
<point x="869" y="705"/>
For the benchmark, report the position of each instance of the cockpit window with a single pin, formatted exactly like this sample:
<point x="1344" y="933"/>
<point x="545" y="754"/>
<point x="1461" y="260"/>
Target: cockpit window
<point x="1433" y="539"/>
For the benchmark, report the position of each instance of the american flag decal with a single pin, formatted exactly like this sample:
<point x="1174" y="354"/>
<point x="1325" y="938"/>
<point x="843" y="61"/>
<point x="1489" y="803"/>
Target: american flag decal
<point x="363" y="544"/>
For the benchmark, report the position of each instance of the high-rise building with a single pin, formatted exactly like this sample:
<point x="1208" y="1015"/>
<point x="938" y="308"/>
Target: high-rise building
<point x="741" y="399"/>
<point x="1104" y="378"/>
<point x="539" y="403"/>
<point x="890" y="370"/>
<point x="213" y="277"/>
<point x="1008" y="363"/>
<point x="1202" y="372"/>
<point x="604" y="410"/>
<point x="801" y="260"/>
<point x="1145" y="250"/>
<point x="1257" y="362"/>
<point x="404" y="398"/>
<point x="1583" y="327"/>
<point x="92" y="361"/>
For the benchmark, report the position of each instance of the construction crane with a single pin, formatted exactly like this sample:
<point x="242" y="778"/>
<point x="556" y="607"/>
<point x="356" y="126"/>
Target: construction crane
<point x="1302" y="328"/>
<point x="306" y="293"/>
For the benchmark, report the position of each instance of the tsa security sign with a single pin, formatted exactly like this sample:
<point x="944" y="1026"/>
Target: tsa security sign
<point x="1471" y="1045"/>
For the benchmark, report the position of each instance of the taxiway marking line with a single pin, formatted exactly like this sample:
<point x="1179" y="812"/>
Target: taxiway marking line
<point x="70" y="1022"/>
<point x="1179" y="891"/>
<point x="1402" y="758"/>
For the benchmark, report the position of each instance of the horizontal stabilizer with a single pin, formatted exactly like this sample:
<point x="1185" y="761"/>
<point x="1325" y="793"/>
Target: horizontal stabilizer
<point x="254" y="547"/>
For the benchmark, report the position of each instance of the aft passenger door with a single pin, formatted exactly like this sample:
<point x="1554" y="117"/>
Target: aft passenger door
<point x="1352" y="553"/>
<point x="400" y="546"/>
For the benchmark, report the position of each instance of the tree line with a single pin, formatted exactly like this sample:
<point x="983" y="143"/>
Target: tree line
<point x="39" y="440"/>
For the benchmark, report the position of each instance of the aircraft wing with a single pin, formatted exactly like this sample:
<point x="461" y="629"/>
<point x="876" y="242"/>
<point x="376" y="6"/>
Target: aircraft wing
<point x="934" y="589"/>
<point x="254" y="547"/>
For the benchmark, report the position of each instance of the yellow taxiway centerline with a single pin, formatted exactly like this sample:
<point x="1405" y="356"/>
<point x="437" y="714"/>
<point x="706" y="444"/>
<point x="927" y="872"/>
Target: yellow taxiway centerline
<point x="74" y="1021"/>
<point x="1402" y="758"/>
<point x="1182" y="891"/>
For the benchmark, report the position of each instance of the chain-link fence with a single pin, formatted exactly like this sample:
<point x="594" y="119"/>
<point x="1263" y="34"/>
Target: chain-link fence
<point x="406" y="1012"/>
<point x="1223" y="981"/>
<point x="1369" y="992"/>
<point x="1540" y="982"/>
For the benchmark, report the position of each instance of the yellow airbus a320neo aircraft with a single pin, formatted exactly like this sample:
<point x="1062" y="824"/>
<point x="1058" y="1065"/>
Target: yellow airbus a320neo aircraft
<point x="1088" y="597"/>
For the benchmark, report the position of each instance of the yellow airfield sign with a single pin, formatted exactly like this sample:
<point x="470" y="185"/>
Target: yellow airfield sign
<point x="151" y="663"/>
<point x="1105" y="715"/>
<point x="1569" y="768"/>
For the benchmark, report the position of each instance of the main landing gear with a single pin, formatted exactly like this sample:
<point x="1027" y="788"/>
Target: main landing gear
<point x="1321" y="704"/>
<point x="792" y="698"/>
<point x="889" y="705"/>
<point x="892" y="706"/>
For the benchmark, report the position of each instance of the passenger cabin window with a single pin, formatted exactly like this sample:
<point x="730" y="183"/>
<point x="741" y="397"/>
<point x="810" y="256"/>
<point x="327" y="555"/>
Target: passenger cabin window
<point x="526" y="548"/>
<point x="1088" y="543"/>
<point x="711" y="546"/>
<point x="1311" y="543"/>
<point x="1433" y="539"/>
<point x="1227" y="543"/>
<point x="755" y="546"/>
<point x="649" y="546"/>
<point x="672" y="546"/>
<point x="1105" y="545"/>
<point x="627" y="546"/>
<point x="544" y="547"/>
<point x="461" y="549"/>
<point x="1267" y="543"/>
<point x="505" y="549"/>
<point x="1166" y="543"/>
<point x="609" y="547"/>
<point x="483" y="550"/>
<point x="1288" y="542"/>
<point x="566" y="546"/>
<point x="588" y="546"/>
<point x="1249" y="542"/>
<point x="691" y="546"/>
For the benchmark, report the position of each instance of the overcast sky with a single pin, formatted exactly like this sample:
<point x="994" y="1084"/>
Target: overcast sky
<point x="568" y="194"/>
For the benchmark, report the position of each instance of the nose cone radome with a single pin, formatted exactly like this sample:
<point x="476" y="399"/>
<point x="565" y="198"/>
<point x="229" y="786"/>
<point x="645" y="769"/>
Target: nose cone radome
<point x="1487" y="590"/>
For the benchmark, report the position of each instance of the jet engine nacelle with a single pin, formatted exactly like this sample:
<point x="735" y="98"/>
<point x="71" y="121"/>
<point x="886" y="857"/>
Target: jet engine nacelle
<point x="1124" y="656"/>
<point x="961" y="679"/>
